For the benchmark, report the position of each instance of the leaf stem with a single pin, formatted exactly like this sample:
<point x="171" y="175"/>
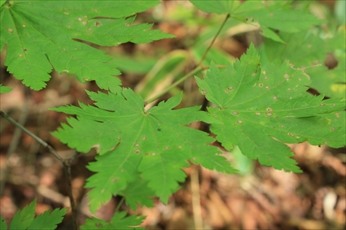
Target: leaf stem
<point x="214" y="39"/>
<point x="193" y="72"/>
<point x="119" y="204"/>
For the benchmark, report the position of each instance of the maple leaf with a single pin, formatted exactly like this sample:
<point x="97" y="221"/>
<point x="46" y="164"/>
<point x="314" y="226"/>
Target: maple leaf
<point x="260" y="107"/>
<point x="41" y="35"/>
<point x="134" y="143"/>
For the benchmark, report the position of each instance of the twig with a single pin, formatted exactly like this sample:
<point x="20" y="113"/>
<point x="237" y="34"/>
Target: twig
<point x="67" y="170"/>
<point x="66" y="163"/>
<point x="214" y="39"/>
<point x="193" y="72"/>
<point x="119" y="205"/>
<point x="190" y="74"/>
<point x="39" y="140"/>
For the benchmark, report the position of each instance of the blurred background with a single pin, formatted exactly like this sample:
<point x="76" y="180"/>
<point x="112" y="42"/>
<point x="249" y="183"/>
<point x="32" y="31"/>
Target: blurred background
<point x="257" y="198"/>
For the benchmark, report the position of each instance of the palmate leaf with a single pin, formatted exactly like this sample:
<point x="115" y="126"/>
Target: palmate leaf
<point x="260" y="107"/>
<point x="134" y="143"/>
<point x="41" y="35"/>
<point x="118" y="221"/>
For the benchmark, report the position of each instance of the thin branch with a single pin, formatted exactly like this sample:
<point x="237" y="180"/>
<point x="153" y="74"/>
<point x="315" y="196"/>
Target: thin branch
<point x="39" y="140"/>
<point x="67" y="170"/>
<point x="214" y="39"/>
<point x="190" y="74"/>
<point x="66" y="164"/>
<point x="119" y="205"/>
<point x="193" y="72"/>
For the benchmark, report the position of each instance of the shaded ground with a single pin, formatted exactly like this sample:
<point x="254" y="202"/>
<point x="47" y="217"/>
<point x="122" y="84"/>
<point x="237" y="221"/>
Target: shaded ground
<point x="264" y="199"/>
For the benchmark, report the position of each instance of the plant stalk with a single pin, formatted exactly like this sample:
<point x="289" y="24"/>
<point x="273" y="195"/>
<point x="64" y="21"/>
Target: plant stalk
<point x="214" y="39"/>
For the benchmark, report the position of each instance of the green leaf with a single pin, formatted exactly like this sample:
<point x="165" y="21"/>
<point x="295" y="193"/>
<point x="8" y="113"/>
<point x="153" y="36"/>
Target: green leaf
<point x="118" y="221"/>
<point x="153" y="144"/>
<point x="242" y="162"/>
<point x="307" y="50"/>
<point x="138" y="192"/>
<point x="41" y="35"/>
<point x="328" y="82"/>
<point x="262" y="107"/>
<point x="24" y="219"/>
<point x="4" y="89"/>
<point x="48" y="220"/>
<point x="215" y="6"/>
<point x="268" y="33"/>
<point x="302" y="49"/>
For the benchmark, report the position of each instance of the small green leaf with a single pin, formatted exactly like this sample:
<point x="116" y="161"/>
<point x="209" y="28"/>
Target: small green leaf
<point x="244" y="164"/>
<point x="4" y="89"/>
<point x="268" y="33"/>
